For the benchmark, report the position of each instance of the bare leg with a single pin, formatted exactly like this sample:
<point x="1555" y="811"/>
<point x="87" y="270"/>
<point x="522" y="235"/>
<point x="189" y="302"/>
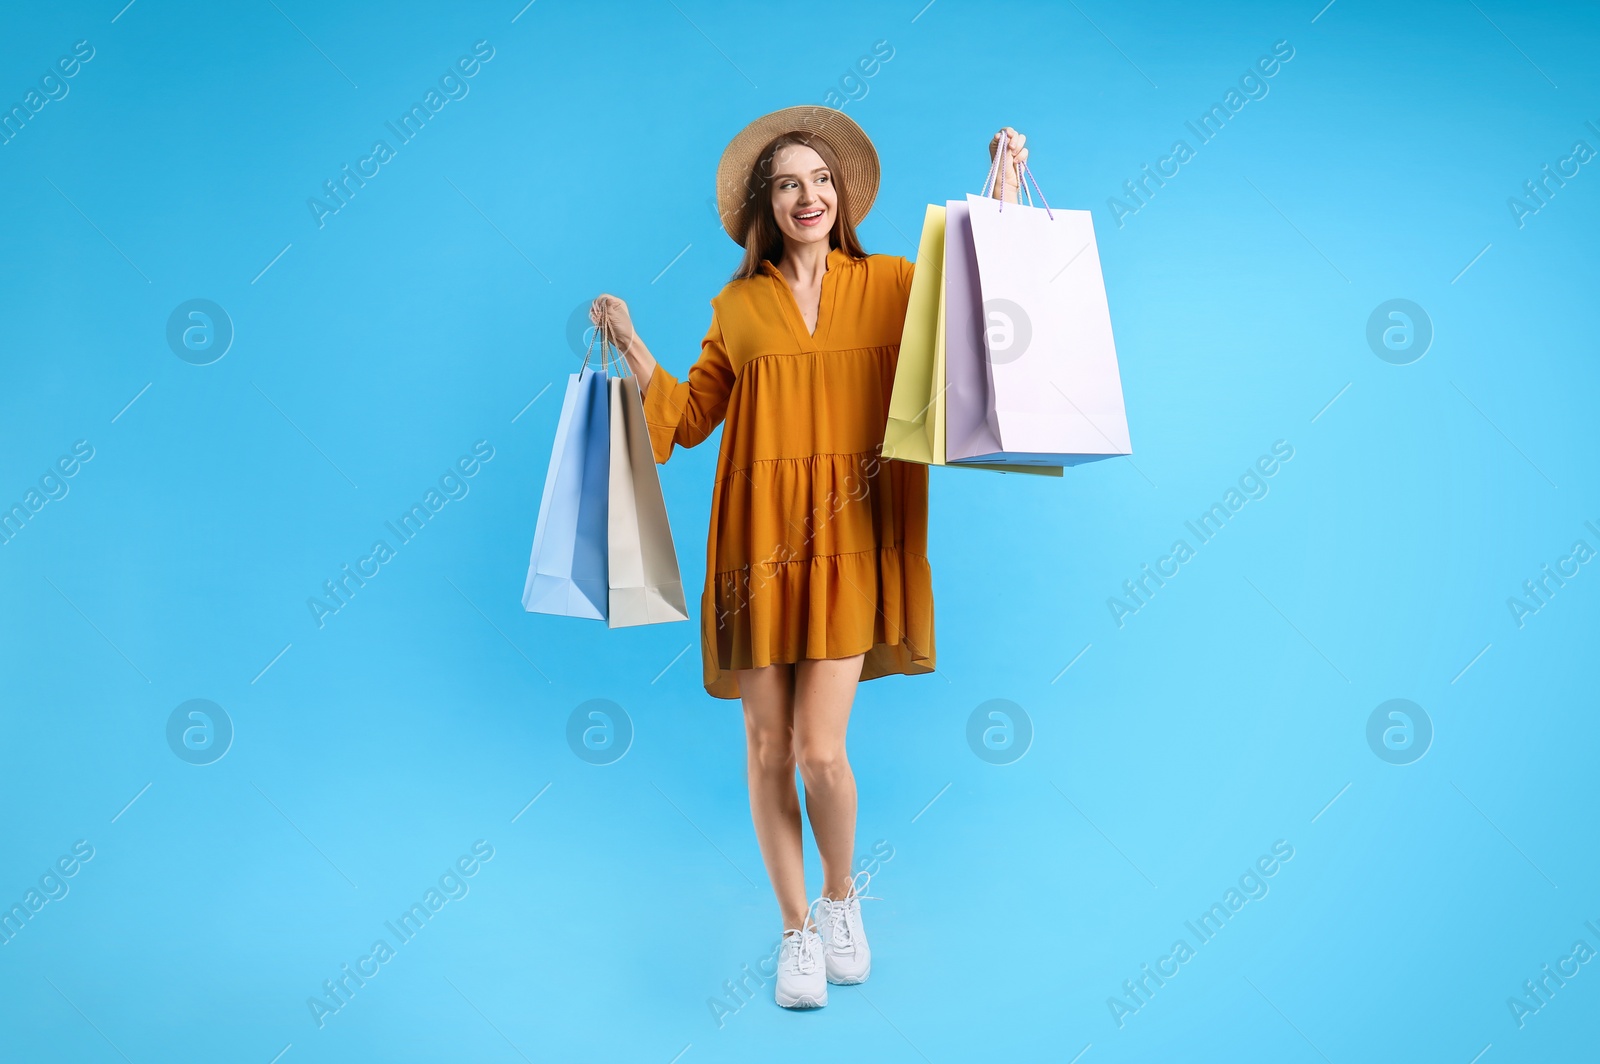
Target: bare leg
<point x="824" y="691"/>
<point x="768" y="697"/>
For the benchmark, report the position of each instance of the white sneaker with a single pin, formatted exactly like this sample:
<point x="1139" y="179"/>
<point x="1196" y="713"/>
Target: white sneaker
<point x="847" y="958"/>
<point x="802" y="982"/>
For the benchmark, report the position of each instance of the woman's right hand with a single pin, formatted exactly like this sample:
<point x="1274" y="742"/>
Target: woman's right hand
<point x="612" y="313"/>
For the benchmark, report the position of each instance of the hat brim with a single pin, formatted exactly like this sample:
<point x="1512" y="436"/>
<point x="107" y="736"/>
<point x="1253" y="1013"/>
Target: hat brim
<point x="858" y="162"/>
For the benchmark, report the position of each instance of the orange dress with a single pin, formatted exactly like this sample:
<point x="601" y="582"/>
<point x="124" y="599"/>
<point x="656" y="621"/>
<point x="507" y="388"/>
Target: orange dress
<point x="818" y="546"/>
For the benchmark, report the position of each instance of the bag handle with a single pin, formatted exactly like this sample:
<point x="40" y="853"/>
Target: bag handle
<point x="1026" y="176"/>
<point x="994" y="166"/>
<point x="603" y="334"/>
<point x="593" y="336"/>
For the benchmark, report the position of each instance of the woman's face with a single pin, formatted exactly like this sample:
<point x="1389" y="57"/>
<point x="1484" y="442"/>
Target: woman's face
<point x="804" y="200"/>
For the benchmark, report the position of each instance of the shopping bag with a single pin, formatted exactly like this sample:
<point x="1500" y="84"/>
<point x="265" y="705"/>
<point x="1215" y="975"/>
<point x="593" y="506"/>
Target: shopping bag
<point x="642" y="567"/>
<point x="914" y="431"/>
<point x="907" y="435"/>
<point x="965" y="401"/>
<point x="967" y="397"/>
<point x="567" y="570"/>
<point x="1048" y="373"/>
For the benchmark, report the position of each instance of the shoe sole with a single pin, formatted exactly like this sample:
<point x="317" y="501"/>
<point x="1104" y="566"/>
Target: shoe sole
<point x="802" y="1002"/>
<point x="852" y="981"/>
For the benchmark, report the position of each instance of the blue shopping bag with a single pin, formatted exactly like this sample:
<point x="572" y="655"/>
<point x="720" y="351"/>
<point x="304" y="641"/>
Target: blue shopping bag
<point x="567" y="573"/>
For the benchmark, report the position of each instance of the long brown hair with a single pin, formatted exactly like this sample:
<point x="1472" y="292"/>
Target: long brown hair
<point x="763" y="240"/>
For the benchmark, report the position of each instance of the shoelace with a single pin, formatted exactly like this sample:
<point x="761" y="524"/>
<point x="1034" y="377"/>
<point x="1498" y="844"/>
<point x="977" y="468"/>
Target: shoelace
<point x="805" y="942"/>
<point x="839" y="936"/>
<point x="839" y="933"/>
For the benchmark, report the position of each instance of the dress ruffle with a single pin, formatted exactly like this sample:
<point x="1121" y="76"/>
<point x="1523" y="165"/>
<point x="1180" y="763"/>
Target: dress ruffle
<point x="878" y="602"/>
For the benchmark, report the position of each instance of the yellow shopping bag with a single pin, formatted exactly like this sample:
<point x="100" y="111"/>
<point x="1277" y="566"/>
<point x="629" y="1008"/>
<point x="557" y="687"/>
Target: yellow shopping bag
<point x="907" y="435"/>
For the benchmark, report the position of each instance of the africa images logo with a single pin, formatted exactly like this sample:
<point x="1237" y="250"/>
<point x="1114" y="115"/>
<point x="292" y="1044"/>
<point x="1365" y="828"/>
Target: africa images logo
<point x="339" y="991"/>
<point x="452" y="85"/>
<point x="1141" y="990"/>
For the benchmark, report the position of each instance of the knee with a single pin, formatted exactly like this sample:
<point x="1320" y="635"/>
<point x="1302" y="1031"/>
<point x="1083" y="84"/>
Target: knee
<point x="822" y="764"/>
<point x="771" y="750"/>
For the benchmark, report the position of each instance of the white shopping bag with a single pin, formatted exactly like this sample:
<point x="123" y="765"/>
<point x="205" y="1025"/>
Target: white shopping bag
<point x="1054" y="390"/>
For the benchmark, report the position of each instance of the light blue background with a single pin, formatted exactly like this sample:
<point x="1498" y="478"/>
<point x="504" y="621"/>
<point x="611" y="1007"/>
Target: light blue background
<point x="426" y="315"/>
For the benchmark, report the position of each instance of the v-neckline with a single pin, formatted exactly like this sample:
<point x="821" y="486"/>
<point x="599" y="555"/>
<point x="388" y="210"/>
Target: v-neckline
<point x="836" y="256"/>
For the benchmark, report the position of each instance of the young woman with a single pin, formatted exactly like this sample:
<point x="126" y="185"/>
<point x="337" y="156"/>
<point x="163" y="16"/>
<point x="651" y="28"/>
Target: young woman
<point x="817" y="573"/>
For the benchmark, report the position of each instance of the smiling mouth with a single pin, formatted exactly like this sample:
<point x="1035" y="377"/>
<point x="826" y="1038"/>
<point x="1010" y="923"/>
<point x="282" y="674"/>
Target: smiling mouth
<point x="809" y="218"/>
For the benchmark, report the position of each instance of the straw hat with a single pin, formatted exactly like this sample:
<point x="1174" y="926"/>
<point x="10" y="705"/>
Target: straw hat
<point x="858" y="161"/>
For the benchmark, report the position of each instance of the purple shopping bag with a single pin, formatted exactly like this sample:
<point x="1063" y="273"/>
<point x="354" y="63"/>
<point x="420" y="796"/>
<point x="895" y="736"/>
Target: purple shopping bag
<point x="967" y="400"/>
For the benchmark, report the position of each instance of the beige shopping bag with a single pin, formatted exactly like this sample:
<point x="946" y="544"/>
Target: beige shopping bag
<point x="645" y="584"/>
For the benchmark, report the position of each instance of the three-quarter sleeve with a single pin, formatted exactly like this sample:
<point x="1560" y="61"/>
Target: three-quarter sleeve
<point x="685" y="412"/>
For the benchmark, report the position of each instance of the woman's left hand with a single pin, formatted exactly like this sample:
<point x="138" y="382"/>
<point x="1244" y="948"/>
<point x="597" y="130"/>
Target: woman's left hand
<point x="1016" y="155"/>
